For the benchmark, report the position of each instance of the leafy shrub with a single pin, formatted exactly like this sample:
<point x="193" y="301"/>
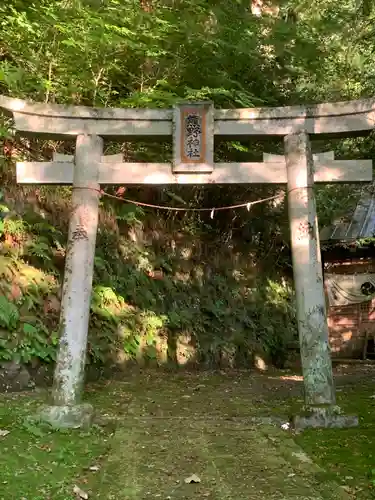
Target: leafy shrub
<point x="9" y="315"/>
<point x="24" y="341"/>
<point x="141" y="307"/>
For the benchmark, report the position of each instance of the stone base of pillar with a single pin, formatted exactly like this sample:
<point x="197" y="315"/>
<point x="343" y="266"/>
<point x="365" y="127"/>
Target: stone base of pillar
<point x="323" y="418"/>
<point x="68" y="417"/>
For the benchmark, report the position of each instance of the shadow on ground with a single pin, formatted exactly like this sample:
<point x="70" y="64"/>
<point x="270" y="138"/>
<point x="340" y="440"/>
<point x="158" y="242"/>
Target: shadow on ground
<point x="224" y="428"/>
<point x="155" y="430"/>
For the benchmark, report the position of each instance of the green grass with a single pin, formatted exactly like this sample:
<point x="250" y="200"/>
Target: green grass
<point x="37" y="463"/>
<point x="348" y="455"/>
<point x="157" y="429"/>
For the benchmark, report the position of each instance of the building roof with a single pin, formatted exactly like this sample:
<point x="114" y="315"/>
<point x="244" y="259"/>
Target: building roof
<point x="361" y="224"/>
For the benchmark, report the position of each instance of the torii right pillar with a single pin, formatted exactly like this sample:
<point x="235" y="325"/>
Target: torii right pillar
<point x="320" y="401"/>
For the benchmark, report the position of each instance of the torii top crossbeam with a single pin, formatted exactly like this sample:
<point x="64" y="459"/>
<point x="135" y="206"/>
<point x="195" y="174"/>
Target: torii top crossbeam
<point x="60" y="121"/>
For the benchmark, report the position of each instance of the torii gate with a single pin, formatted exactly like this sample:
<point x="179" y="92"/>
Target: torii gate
<point x="193" y="127"/>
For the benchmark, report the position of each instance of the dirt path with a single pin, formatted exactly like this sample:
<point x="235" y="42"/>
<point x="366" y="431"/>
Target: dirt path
<point x="156" y="429"/>
<point x="169" y="428"/>
<point x="152" y="458"/>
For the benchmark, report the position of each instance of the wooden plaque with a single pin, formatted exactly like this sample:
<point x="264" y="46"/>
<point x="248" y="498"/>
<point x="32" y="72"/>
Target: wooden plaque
<point x="193" y="138"/>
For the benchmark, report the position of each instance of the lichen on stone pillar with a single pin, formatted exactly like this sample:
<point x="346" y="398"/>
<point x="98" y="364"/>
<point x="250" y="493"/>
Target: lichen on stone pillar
<point x="307" y="270"/>
<point x="67" y="409"/>
<point x="320" y="402"/>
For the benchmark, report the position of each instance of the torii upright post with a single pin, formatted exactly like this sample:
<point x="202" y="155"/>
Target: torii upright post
<point x="66" y="409"/>
<point x="308" y="279"/>
<point x="308" y="275"/>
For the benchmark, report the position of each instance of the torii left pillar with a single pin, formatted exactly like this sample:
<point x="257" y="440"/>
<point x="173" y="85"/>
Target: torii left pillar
<point x="67" y="409"/>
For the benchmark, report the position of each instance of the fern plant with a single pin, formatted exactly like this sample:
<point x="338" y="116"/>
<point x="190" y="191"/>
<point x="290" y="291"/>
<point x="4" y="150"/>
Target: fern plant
<point x="9" y="315"/>
<point x="13" y="227"/>
<point x="131" y="214"/>
<point x="40" y="248"/>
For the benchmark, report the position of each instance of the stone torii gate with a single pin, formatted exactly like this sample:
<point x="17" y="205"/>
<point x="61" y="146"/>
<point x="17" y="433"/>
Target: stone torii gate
<point x="193" y="127"/>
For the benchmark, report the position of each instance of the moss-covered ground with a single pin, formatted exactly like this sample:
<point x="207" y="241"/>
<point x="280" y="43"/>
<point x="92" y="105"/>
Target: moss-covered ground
<point x="154" y="430"/>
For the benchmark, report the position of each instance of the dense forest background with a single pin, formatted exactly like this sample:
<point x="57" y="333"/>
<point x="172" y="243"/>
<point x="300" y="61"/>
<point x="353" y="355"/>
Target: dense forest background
<point x="170" y="286"/>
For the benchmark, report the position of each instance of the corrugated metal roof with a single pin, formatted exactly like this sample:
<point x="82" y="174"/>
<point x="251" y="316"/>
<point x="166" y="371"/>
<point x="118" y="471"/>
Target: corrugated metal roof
<point x="359" y="225"/>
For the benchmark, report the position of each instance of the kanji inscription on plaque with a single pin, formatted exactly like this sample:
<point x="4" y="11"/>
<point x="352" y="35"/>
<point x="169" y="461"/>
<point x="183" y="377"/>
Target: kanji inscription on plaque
<point x="193" y="138"/>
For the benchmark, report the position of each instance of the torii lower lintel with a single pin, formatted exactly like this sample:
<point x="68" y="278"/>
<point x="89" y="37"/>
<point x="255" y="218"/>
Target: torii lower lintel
<point x="267" y="172"/>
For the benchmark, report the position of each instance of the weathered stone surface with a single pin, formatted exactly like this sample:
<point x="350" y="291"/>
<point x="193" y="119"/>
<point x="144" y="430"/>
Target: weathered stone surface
<point x="14" y="377"/>
<point x="12" y="368"/>
<point x="79" y="265"/>
<point x="42" y="375"/>
<point x="324" y="420"/>
<point x="338" y="118"/>
<point x="63" y="121"/>
<point x="224" y="173"/>
<point x="307" y="271"/>
<point x="68" y="417"/>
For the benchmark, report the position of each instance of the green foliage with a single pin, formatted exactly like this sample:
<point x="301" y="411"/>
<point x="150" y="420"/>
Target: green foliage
<point x="137" y="315"/>
<point x="39" y="248"/>
<point x="131" y="214"/>
<point x="125" y="53"/>
<point x="16" y="228"/>
<point x="155" y="54"/>
<point x="23" y="341"/>
<point x="219" y="314"/>
<point x="9" y="315"/>
<point x="128" y="54"/>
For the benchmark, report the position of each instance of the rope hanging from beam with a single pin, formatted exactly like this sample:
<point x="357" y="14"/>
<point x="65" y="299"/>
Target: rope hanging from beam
<point x="248" y="204"/>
